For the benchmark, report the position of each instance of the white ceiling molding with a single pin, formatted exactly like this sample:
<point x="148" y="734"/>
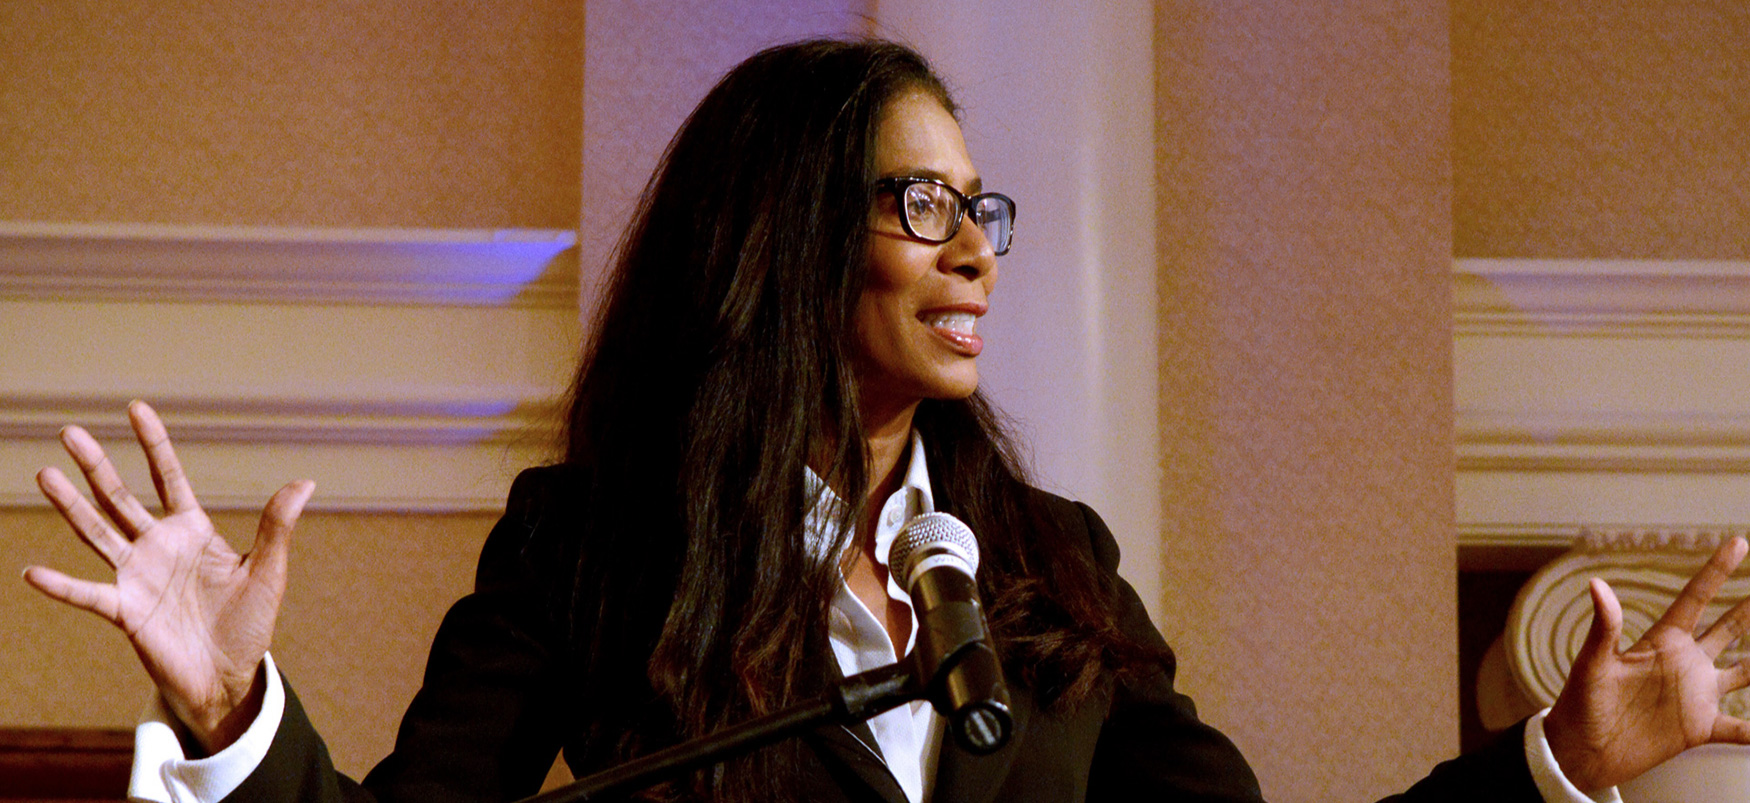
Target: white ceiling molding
<point x="1589" y="390"/>
<point x="398" y="479"/>
<point x="1602" y="297"/>
<point x="152" y="262"/>
<point x="458" y="420"/>
<point x="394" y="455"/>
<point x="404" y="371"/>
<point x="1656" y="442"/>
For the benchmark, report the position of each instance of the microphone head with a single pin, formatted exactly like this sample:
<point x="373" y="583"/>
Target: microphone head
<point x="931" y="535"/>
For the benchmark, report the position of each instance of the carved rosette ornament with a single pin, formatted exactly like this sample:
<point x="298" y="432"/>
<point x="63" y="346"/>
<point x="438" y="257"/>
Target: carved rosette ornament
<point x="1646" y="567"/>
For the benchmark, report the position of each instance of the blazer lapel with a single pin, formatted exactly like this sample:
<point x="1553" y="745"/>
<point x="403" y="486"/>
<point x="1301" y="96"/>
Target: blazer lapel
<point x="848" y="748"/>
<point x="853" y="747"/>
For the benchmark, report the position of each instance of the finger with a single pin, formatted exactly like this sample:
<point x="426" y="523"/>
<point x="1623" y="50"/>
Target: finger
<point x="1686" y="610"/>
<point x="1606" y="629"/>
<point x="1730" y="729"/>
<point x="273" y="537"/>
<point x="1726" y="631"/>
<point x="167" y="474"/>
<point x="87" y="523"/>
<point x="1735" y="677"/>
<point x="106" y="483"/>
<point x="100" y="598"/>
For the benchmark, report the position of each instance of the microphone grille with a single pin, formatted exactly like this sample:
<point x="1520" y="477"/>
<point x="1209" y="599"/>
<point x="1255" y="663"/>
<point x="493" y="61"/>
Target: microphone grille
<point x="931" y="533"/>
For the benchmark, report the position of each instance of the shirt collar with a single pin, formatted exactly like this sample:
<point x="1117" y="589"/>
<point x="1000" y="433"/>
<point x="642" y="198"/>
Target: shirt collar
<point x="912" y="498"/>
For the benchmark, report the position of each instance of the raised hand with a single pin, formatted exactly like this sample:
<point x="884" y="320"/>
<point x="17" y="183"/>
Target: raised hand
<point x="199" y="615"/>
<point x="1622" y="713"/>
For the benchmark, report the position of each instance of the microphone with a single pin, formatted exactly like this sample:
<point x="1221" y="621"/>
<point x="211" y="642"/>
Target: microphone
<point x="934" y="558"/>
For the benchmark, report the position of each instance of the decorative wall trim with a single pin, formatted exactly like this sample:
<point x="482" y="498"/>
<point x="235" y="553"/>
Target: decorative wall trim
<point x="384" y="455"/>
<point x="1602" y="297"/>
<point x="1670" y="538"/>
<point x="1601" y="537"/>
<point x="325" y="501"/>
<point x="510" y="418"/>
<point x="1616" y="442"/>
<point x="1495" y="535"/>
<point x="150" y="262"/>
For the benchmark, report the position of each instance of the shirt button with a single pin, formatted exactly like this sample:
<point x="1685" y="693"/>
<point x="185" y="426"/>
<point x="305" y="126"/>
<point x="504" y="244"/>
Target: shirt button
<point x="894" y="514"/>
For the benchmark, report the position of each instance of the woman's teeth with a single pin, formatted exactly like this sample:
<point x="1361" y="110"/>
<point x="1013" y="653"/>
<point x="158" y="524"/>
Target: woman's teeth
<point x="961" y="322"/>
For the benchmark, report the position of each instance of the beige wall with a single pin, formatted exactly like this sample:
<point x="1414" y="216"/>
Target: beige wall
<point x="1304" y="228"/>
<point x="439" y="113"/>
<point x="331" y="113"/>
<point x="1601" y="130"/>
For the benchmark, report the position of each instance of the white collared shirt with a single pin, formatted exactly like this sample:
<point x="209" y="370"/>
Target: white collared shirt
<point x="907" y="738"/>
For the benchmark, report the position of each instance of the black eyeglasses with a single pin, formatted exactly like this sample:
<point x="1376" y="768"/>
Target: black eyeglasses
<point x="932" y="211"/>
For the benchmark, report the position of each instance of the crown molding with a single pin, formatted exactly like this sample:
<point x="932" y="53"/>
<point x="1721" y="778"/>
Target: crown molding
<point x="322" y="502"/>
<point x="1660" y="442"/>
<point x="1602" y="297"/>
<point x="394" y="453"/>
<point x="404" y="420"/>
<point x="151" y="262"/>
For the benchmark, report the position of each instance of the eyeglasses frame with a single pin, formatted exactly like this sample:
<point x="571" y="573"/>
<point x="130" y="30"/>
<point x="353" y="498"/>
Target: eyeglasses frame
<point x="897" y="185"/>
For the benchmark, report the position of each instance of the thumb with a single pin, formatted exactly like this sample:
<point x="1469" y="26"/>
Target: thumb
<point x="273" y="537"/>
<point x="1606" y="629"/>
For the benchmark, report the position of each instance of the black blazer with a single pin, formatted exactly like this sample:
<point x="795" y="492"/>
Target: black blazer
<point x="496" y="707"/>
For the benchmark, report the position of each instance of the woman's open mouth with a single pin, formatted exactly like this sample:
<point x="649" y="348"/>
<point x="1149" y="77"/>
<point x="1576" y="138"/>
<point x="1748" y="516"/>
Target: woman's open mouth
<point x="957" y="327"/>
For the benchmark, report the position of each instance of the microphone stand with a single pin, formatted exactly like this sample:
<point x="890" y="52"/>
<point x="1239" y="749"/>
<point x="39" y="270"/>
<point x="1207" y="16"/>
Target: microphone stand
<point x="853" y="700"/>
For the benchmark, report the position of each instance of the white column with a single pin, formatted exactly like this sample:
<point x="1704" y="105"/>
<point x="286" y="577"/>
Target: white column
<point x="1058" y="102"/>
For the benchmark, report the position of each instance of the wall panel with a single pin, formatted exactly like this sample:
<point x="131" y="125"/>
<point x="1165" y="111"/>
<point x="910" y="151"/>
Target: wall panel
<point x="1303" y="189"/>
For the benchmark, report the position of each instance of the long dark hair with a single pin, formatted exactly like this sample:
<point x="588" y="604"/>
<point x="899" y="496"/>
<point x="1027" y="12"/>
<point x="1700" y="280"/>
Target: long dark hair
<point x="719" y="370"/>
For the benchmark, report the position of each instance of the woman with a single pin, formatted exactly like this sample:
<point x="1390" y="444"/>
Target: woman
<point x="784" y="370"/>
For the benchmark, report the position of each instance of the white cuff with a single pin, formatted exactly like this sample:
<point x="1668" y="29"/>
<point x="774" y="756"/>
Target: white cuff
<point x="1551" y="783"/>
<point x="163" y="772"/>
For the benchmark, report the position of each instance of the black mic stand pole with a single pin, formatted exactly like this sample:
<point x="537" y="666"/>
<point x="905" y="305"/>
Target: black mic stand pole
<point x="853" y="700"/>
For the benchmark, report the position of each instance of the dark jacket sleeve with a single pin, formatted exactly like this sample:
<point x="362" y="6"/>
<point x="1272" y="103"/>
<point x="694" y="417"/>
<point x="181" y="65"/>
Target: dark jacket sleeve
<point x="1498" y="771"/>
<point x="486" y="723"/>
<point x="1152" y="738"/>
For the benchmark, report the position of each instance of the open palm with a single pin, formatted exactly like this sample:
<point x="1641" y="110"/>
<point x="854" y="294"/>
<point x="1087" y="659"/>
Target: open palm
<point x="1622" y="713"/>
<point x="199" y="615"/>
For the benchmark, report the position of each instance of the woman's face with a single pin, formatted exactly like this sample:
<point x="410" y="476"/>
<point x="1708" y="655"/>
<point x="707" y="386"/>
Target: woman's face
<point x="916" y="332"/>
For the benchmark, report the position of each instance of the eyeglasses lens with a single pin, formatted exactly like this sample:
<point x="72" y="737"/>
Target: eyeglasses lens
<point x="931" y="210"/>
<point x="998" y="221"/>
